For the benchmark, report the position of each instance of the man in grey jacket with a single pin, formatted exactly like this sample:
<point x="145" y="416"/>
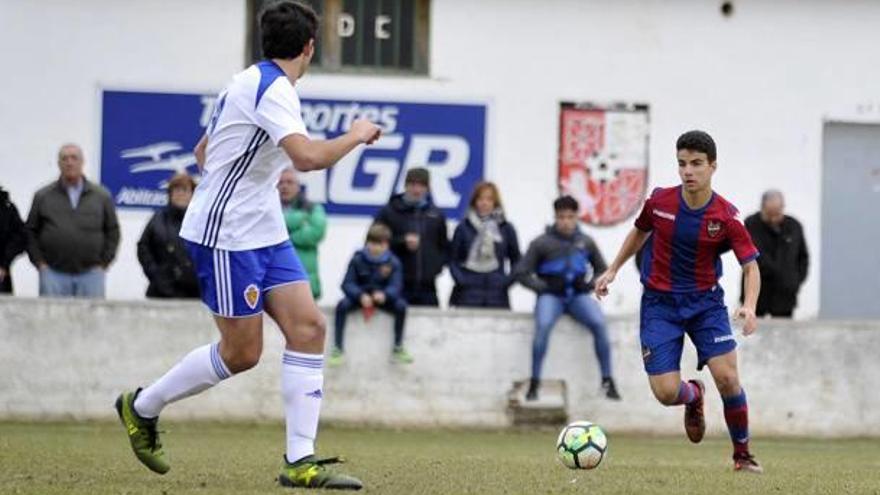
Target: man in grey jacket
<point x="560" y="266"/>
<point x="73" y="232"/>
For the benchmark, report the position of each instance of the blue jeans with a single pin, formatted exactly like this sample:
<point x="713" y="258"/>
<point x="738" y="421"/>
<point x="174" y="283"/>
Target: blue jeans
<point x="59" y="284"/>
<point x="585" y="311"/>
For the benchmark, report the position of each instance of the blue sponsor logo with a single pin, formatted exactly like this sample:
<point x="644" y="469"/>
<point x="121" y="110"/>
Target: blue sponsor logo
<point x="147" y="137"/>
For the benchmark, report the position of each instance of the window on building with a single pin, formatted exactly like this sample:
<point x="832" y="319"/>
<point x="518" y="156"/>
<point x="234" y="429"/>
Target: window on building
<point x="364" y="36"/>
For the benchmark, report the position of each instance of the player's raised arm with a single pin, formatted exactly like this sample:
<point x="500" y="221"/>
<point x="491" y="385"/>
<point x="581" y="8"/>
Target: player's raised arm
<point x="307" y="154"/>
<point x="633" y="242"/>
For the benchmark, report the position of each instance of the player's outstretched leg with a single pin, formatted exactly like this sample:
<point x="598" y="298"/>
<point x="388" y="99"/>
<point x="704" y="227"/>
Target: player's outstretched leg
<point x="142" y="434"/>
<point x="302" y="380"/>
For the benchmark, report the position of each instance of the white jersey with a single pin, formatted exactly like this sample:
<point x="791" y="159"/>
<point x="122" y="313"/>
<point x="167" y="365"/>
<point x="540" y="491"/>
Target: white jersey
<point x="236" y="205"/>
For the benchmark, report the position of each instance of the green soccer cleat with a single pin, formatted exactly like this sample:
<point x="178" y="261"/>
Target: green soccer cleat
<point x="142" y="433"/>
<point x="400" y="356"/>
<point x="310" y="472"/>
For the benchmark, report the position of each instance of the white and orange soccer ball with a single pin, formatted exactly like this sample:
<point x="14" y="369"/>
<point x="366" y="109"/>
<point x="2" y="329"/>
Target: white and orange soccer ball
<point x="581" y="445"/>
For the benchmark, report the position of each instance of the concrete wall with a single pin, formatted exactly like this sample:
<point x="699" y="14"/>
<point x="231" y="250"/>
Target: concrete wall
<point x="69" y="359"/>
<point x="762" y="81"/>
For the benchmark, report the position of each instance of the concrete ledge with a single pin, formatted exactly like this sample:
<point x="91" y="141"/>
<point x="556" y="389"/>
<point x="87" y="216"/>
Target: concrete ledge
<point x="67" y="359"/>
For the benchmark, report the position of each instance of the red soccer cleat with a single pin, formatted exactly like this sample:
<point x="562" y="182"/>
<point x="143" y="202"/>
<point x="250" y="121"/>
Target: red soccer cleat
<point x="694" y="420"/>
<point x="746" y="463"/>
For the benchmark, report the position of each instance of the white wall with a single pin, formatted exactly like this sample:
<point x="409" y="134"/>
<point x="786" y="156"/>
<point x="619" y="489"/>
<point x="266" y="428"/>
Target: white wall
<point x="68" y="359"/>
<point x="761" y="82"/>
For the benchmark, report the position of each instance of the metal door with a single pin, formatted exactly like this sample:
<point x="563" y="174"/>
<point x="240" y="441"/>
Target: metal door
<point x="850" y="283"/>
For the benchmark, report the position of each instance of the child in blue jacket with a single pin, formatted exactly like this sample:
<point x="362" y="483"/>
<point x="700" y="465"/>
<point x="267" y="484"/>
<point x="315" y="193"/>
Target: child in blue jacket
<point x="374" y="280"/>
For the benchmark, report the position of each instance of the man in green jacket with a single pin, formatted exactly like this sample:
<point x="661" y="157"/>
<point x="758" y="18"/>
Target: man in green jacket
<point x="306" y="224"/>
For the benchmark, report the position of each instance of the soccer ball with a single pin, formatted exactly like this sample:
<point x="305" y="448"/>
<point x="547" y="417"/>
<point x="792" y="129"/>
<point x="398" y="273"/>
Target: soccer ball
<point x="581" y="445"/>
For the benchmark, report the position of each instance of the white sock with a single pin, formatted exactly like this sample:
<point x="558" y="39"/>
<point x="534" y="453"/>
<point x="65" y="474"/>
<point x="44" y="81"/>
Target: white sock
<point x="199" y="370"/>
<point x="302" y="383"/>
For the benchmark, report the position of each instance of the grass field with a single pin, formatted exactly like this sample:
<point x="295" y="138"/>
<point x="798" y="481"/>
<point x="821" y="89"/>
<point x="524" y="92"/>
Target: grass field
<point x="212" y="458"/>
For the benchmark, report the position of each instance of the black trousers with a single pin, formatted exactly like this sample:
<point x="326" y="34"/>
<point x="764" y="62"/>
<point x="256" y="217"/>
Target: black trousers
<point x="395" y="306"/>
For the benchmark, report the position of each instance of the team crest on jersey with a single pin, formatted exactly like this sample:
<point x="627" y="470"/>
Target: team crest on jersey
<point x="603" y="159"/>
<point x="251" y="295"/>
<point x="713" y="228"/>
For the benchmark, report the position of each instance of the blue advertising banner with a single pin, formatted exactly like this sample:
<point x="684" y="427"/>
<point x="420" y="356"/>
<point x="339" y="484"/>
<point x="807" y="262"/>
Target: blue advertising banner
<point x="147" y="137"/>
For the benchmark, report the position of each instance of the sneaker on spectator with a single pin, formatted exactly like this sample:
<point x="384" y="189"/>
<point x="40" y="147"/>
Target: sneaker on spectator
<point x="400" y="356"/>
<point x="336" y="359"/>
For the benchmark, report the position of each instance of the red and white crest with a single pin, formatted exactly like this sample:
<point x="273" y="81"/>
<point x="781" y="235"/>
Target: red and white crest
<point x="713" y="228"/>
<point x="603" y="160"/>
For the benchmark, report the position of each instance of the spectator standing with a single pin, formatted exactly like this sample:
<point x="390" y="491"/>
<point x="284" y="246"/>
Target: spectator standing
<point x="13" y="240"/>
<point x="419" y="237"/>
<point x="481" y="246"/>
<point x="161" y="251"/>
<point x="561" y="266"/>
<point x="73" y="231"/>
<point x="784" y="259"/>
<point x="374" y="280"/>
<point x="306" y="224"/>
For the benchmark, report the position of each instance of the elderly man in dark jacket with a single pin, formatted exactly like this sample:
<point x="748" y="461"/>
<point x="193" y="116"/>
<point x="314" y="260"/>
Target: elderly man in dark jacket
<point x="560" y="267"/>
<point x="161" y="251"/>
<point x="73" y="231"/>
<point x="419" y="237"/>
<point x="13" y="240"/>
<point x="784" y="259"/>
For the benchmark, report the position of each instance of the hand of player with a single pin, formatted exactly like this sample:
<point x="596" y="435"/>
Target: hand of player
<point x="379" y="297"/>
<point x="2" y="274"/>
<point x="603" y="282"/>
<point x="366" y="301"/>
<point x="749" y="321"/>
<point x="365" y="131"/>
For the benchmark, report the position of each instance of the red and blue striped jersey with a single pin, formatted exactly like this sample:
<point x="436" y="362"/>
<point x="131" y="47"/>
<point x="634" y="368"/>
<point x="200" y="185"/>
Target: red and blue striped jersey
<point x="683" y="253"/>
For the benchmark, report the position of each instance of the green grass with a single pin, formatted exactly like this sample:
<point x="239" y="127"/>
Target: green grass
<point x="213" y="458"/>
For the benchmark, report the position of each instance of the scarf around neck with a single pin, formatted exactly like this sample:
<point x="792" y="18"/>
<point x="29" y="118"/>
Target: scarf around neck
<point x="481" y="256"/>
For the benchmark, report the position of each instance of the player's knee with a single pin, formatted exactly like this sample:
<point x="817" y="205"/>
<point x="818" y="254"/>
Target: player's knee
<point x="242" y="359"/>
<point x="314" y="329"/>
<point x="727" y="383"/>
<point x="667" y="396"/>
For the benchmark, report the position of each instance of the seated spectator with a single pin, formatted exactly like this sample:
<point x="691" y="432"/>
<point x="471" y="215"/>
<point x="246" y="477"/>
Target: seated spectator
<point x="481" y="246"/>
<point x="560" y="266"/>
<point x="374" y="280"/>
<point x="306" y="224"/>
<point x="419" y="237"/>
<point x="161" y="251"/>
<point x="73" y="232"/>
<point x="13" y="240"/>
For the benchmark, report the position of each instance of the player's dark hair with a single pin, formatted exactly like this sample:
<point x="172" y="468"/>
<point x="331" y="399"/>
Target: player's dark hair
<point x="565" y="203"/>
<point x="379" y="233"/>
<point x="699" y="141"/>
<point x="286" y="27"/>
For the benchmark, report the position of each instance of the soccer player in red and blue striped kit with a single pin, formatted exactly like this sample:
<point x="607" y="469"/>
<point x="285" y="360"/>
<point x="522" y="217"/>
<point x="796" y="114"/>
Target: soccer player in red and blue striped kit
<point x="684" y="231"/>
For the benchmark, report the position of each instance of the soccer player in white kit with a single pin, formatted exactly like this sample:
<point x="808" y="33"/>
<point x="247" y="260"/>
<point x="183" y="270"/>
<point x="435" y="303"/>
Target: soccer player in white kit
<point x="245" y="262"/>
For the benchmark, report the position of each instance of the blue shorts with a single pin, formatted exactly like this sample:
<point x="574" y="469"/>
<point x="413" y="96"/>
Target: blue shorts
<point x="666" y="318"/>
<point x="232" y="283"/>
